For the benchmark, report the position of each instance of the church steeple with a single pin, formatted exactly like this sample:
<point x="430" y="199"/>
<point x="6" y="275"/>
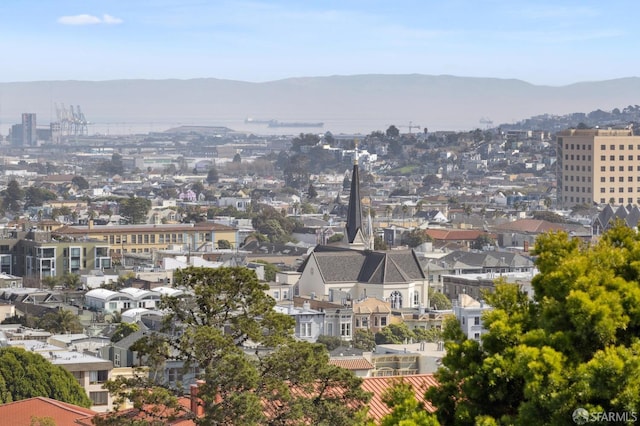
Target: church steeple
<point x="354" y="214"/>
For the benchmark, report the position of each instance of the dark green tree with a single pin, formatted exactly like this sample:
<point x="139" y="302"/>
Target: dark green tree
<point x="395" y="333"/>
<point x="26" y="374"/>
<point x="406" y="409"/>
<point x="35" y="196"/>
<point x="135" y="209"/>
<point x="364" y="339"/>
<point x="270" y="270"/>
<point x="60" y="321"/>
<point x="80" y="182"/>
<point x="392" y="132"/>
<point x="292" y="384"/>
<point x="123" y="330"/>
<point x="311" y="192"/>
<point x="212" y="176"/>
<point x="12" y="196"/>
<point x="415" y="237"/>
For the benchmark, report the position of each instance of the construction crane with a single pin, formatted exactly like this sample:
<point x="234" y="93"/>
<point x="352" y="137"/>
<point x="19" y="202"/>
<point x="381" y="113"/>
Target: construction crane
<point x="411" y="127"/>
<point x="486" y="121"/>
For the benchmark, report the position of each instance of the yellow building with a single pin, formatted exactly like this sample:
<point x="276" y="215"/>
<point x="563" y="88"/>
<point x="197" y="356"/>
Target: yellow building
<point x="148" y="238"/>
<point x="598" y="166"/>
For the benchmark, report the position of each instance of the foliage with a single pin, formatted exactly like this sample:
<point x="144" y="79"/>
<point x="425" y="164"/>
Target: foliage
<point x="335" y="238"/>
<point x="364" y="339"/>
<point x="292" y="384"/>
<point x="395" y="334"/>
<point x="26" y="374"/>
<point x="330" y="342"/>
<point x="135" y="209"/>
<point x="311" y="192"/>
<point x="274" y="225"/>
<point x="35" y="196"/>
<point x="80" y="182"/>
<point x="70" y="280"/>
<point x="212" y="176"/>
<point x="415" y="237"/>
<point x="60" y="321"/>
<point x="392" y="132"/>
<point x="575" y="345"/>
<point x="482" y="241"/>
<point x="438" y="300"/>
<point x="549" y="216"/>
<point x="224" y="244"/>
<point x="428" y="334"/>
<point x="124" y="329"/>
<point x="379" y="243"/>
<point x="270" y="270"/>
<point x="12" y="196"/>
<point x="50" y="282"/>
<point x="406" y="409"/>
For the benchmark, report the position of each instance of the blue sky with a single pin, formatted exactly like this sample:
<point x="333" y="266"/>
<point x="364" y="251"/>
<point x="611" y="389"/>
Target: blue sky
<point x="542" y="42"/>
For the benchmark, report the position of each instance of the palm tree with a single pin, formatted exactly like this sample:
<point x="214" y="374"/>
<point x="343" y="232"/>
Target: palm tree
<point x="405" y="209"/>
<point x="388" y="210"/>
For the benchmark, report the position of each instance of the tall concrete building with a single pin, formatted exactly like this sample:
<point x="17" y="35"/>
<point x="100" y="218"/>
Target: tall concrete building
<point x="598" y="166"/>
<point x="29" y="131"/>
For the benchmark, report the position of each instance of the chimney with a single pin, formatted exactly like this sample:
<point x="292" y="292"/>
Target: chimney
<point x="90" y="224"/>
<point x="306" y="306"/>
<point x="196" y="403"/>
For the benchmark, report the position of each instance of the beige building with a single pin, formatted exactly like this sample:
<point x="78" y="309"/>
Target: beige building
<point x="598" y="166"/>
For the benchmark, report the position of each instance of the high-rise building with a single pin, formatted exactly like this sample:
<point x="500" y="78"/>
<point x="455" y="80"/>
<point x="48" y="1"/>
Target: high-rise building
<point x="598" y="166"/>
<point x="29" y="131"/>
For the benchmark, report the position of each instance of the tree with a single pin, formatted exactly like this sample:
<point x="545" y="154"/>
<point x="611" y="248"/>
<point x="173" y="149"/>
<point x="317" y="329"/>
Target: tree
<point x="270" y="270"/>
<point x="135" y="209"/>
<point x="406" y="409"/>
<point x="236" y="158"/>
<point x="438" y="300"/>
<point x="395" y="334"/>
<point x="392" y="132"/>
<point x="50" y="282"/>
<point x="60" y="321"/>
<point x="25" y="374"/>
<point x="415" y="237"/>
<point x="35" y="197"/>
<point x="123" y="330"/>
<point x="311" y="192"/>
<point x="12" y="196"/>
<point x="330" y="342"/>
<point x="364" y="339"/>
<point x="482" y="241"/>
<point x="71" y="281"/>
<point x="292" y="384"/>
<point x="80" y="182"/>
<point x="575" y="345"/>
<point x="212" y="176"/>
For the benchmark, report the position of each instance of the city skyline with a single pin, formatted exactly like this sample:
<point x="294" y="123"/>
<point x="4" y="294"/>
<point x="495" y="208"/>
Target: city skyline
<point x="546" y="43"/>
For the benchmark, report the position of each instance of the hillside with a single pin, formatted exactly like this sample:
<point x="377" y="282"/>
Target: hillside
<point x="346" y="104"/>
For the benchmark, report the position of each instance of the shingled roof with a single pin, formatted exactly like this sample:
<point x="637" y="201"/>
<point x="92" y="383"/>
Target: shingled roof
<point x="338" y="264"/>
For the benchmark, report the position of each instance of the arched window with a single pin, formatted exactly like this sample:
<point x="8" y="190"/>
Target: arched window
<point x="416" y="298"/>
<point x="396" y="300"/>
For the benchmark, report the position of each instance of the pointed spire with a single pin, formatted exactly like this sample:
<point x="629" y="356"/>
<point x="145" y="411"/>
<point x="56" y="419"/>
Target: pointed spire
<point x="354" y="215"/>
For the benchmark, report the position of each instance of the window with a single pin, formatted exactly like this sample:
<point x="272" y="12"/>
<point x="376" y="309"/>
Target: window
<point x="99" y="398"/>
<point x="603" y="147"/>
<point x="621" y="179"/>
<point x="603" y="169"/>
<point x="621" y="147"/>
<point x="345" y="329"/>
<point x="602" y="190"/>
<point x="116" y="359"/>
<point x="416" y="298"/>
<point x="305" y="329"/>
<point x="603" y="157"/>
<point x="612" y="168"/>
<point x="612" y="179"/>
<point x="612" y="157"/>
<point x="602" y="179"/>
<point x="476" y="336"/>
<point x="621" y="168"/>
<point x="476" y="320"/>
<point x="276" y="295"/>
<point x="383" y="321"/>
<point x="98" y="376"/>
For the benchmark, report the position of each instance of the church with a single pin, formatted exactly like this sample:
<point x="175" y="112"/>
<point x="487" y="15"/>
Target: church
<point x="354" y="271"/>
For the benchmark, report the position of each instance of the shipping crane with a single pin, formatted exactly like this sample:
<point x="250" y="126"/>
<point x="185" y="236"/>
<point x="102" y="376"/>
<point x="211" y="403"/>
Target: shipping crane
<point x="486" y="121"/>
<point x="411" y="127"/>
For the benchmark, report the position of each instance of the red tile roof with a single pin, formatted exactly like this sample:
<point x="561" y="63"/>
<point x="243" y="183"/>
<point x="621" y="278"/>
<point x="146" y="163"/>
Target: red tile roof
<point x="454" y="234"/>
<point x="354" y="363"/>
<point x="20" y="413"/>
<point x="378" y="385"/>
<point x="181" y="416"/>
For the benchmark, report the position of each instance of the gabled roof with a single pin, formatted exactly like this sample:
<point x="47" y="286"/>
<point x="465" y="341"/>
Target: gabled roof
<point x="337" y="264"/>
<point x="352" y="363"/>
<point x="20" y="413"/>
<point x="454" y="234"/>
<point x="531" y="226"/>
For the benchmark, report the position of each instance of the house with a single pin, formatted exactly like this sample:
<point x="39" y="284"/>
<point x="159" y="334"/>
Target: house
<point x="309" y="322"/>
<point x="26" y="411"/>
<point x="468" y="312"/>
<point x="338" y="317"/>
<point x="107" y="301"/>
<point x="371" y="314"/>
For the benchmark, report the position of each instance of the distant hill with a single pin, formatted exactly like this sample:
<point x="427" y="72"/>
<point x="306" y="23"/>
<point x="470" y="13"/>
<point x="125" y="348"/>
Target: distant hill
<point x="345" y="104"/>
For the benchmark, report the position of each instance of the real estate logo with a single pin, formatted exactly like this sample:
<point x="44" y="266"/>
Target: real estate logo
<point x="581" y="416"/>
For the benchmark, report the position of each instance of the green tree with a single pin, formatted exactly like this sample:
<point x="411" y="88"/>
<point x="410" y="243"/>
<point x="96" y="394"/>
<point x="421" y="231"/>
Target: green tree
<point x="12" y="196"/>
<point x="50" y="282"/>
<point x="406" y="409"/>
<point x="364" y="339"/>
<point x="124" y="329"/>
<point x="60" y="321"/>
<point x="575" y="345"/>
<point x="212" y="176"/>
<point x="135" y="209"/>
<point x="270" y="270"/>
<point x="438" y="300"/>
<point x="395" y="333"/>
<point x="482" y="241"/>
<point x="80" y="182"/>
<point x="35" y="197"/>
<point x="25" y="374"/>
<point x="392" y="132"/>
<point x="224" y="244"/>
<point x="292" y="384"/>
<point x="236" y="158"/>
<point x="311" y="192"/>
<point x="71" y="281"/>
<point x="415" y="237"/>
<point x="330" y="342"/>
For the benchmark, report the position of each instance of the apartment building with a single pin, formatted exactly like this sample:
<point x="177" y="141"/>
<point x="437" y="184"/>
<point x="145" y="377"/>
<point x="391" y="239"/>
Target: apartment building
<point x="151" y="237"/>
<point x="598" y="166"/>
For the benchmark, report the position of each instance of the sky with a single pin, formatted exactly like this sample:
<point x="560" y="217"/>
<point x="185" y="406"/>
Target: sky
<point x="538" y="41"/>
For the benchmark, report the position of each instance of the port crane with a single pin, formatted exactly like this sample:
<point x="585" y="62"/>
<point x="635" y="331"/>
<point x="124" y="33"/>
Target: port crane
<point x="411" y="127"/>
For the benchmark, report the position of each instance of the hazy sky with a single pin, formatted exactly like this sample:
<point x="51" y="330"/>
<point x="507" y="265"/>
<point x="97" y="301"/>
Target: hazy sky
<point x="539" y="41"/>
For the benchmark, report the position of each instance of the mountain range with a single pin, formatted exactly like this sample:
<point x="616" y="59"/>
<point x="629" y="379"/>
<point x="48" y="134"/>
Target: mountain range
<point x="345" y="104"/>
